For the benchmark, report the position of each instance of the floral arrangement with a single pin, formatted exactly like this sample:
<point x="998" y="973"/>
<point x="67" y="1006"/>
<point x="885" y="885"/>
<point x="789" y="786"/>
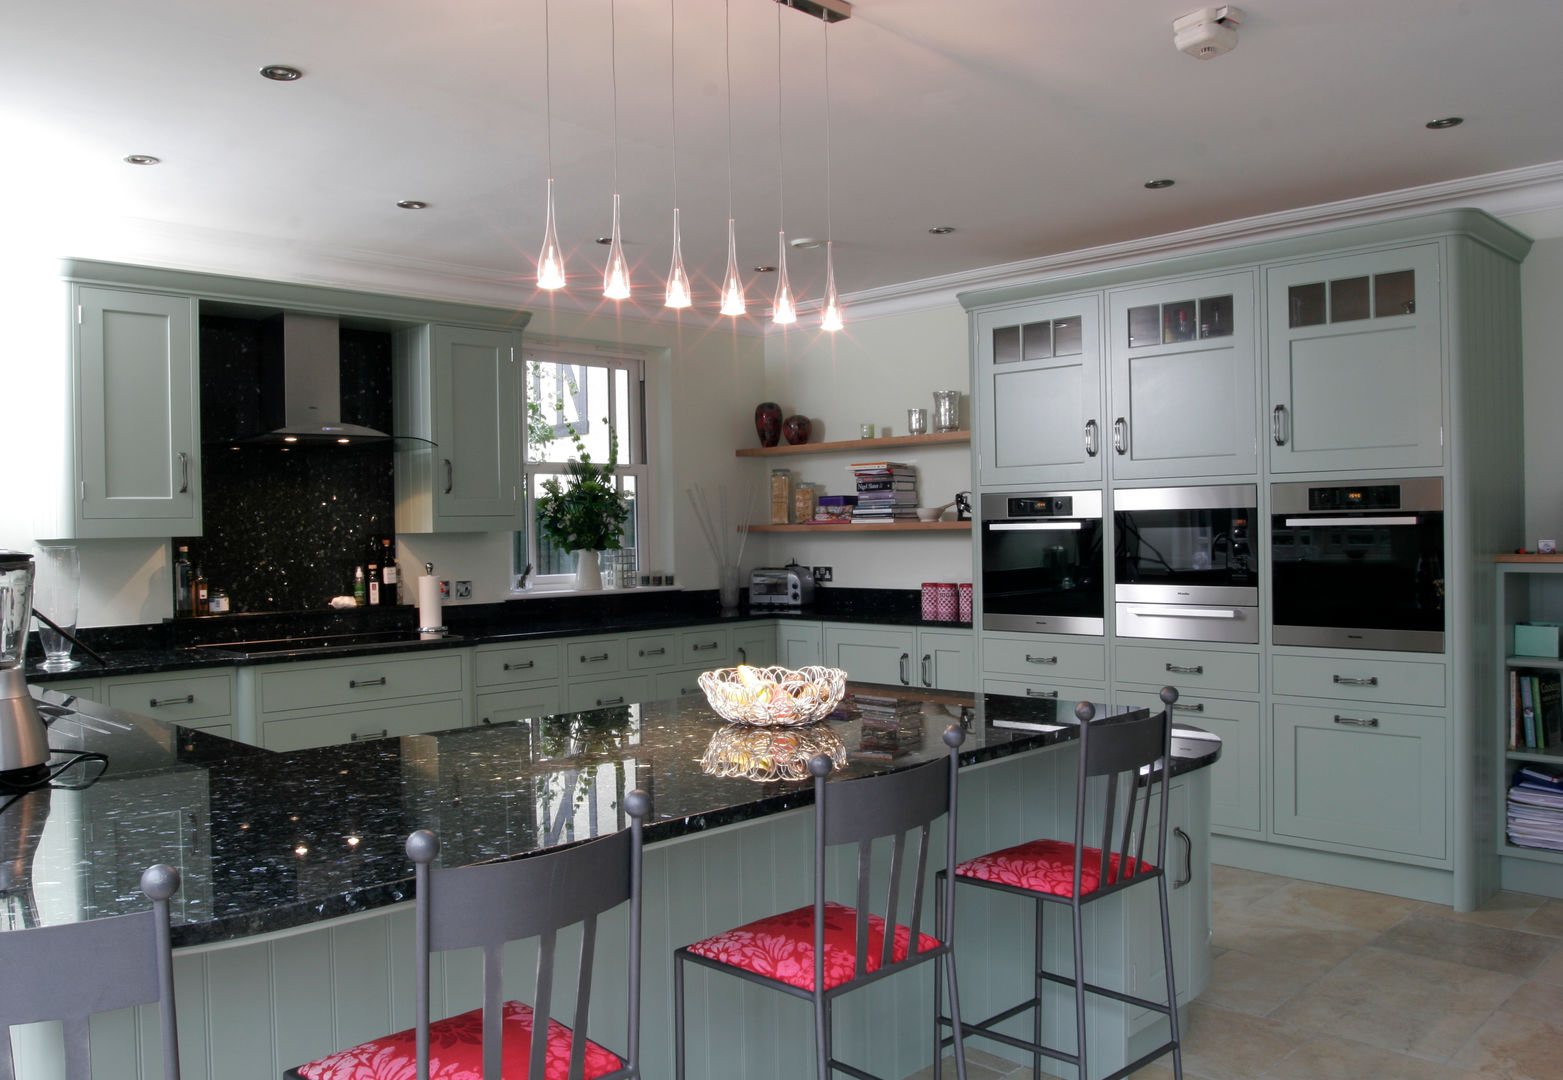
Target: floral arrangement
<point x="590" y="514"/>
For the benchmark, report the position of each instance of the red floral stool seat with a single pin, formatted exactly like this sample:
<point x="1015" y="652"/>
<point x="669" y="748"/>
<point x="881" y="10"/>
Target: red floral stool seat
<point x="456" y="1052"/>
<point x="1048" y="866"/>
<point x="781" y="947"/>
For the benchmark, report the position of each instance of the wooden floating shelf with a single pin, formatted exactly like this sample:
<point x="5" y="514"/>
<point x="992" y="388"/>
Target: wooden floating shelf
<point x="1528" y="557"/>
<point x="890" y="526"/>
<point x="870" y="448"/>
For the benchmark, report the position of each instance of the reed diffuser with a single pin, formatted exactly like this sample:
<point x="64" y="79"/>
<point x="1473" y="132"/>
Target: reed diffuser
<point x="725" y="538"/>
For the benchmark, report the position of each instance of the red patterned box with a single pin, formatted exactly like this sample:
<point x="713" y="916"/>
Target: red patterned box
<point x="930" y="601"/>
<point x="948" y="603"/>
<point x="965" y="606"/>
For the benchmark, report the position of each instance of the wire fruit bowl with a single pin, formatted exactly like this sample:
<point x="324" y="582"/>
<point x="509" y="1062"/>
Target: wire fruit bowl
<point x="773" y="696"/>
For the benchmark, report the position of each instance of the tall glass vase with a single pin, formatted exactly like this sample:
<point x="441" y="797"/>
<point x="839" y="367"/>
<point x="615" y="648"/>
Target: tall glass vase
<point x="588" y="573"/>
<point x="56" y="595"/>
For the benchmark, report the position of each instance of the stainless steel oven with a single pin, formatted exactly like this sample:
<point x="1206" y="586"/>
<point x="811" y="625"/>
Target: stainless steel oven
<point x="1042" y="565"/>
<point x="1184" y="563"/>
<point x="1358" y="566"/>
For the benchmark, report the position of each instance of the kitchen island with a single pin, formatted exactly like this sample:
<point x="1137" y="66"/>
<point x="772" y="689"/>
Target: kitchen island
<point x="293" y="925"/>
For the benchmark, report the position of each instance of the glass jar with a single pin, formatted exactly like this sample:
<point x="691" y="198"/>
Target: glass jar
<point x="781" y="496"/>
<point x="804" y="498"/>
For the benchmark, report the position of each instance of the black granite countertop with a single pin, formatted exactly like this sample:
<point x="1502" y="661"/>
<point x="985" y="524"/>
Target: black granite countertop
<point x="268" y="841"/>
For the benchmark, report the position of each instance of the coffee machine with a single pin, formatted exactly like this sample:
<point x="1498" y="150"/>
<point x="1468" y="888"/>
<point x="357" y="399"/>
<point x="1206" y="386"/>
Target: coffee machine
<point x="24" y="741"/>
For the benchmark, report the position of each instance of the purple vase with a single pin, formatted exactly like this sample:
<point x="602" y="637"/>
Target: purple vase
<point x="796" y="429"/>
<point x="768" y="422"/>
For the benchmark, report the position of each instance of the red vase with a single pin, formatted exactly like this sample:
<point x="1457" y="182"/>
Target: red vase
<point x="796" y="429"/>
<point x="768" y="422"/>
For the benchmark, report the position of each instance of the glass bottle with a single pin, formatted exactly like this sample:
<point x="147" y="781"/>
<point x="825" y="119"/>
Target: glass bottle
<point x="184" y="579"/>
<point x="374" y="584"/>
<point x="389" y="576"/>
<point x="359" y="593"/>
<point x="198" y="593"/>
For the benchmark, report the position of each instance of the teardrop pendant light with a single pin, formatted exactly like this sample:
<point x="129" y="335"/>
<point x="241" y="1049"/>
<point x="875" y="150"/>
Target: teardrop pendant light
<point x="783" y="311"/>
<point x="830" y="313"/>
<point x="550" y="261"/>
<point x="616" y="276"/>
<point x="733" y="302"/>
<point x="677" y="295"/>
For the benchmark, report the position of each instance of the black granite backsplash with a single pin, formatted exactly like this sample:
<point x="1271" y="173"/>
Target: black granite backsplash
<point x="286" y="526"/>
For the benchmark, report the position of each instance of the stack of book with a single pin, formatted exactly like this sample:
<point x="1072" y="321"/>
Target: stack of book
<point x="1536" y="809"/>
<point x="886" y="492"/>
<point x="1535" y="710"/>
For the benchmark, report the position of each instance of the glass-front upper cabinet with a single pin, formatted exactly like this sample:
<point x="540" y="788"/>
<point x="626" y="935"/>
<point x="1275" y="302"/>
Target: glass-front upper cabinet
<point x="1355" y="362"/>
<point x="1038" y="392"/>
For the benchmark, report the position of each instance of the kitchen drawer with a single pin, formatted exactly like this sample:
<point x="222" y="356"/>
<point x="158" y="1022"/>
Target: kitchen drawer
<point x="677" y="684"/>
<point x="1068" y="693"/>
<point x="330" y="729"/>
<point x="1359" y="678"/>
<point x="508" y="705"/>
<point x="1236" y="779"/>
<point x="221" y="728"/>
<point x="593" y="656"/>
<point x="1042" y="656"/>
<point x="1187" y="622"/>
<point x="345" y="682"/>
<point x="603" y="693"/>
<point x="1187" y="669"/>
<point x="178" y="698"/>
<point x="506" y="664"/>
<point x="647" y="651"/>
<point x="705" y="648"/>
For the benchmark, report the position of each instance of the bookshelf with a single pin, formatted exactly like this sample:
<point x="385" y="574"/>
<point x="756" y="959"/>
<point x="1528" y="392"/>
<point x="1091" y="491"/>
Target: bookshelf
<point x="1530" y="589"/>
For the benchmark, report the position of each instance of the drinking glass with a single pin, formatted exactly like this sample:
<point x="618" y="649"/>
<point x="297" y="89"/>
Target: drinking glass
<point x="946" y="410"/>
<point x="916" y="421"/>
<point x="55" y="594"/>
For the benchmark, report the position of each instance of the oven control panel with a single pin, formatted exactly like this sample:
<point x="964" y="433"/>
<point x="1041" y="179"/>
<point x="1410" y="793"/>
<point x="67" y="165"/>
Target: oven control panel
<point x="1371" y="497"/>
<point x="1033" y="506"/>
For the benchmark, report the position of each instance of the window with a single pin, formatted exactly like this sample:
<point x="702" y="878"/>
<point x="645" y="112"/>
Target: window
<point x="600" y="397"/>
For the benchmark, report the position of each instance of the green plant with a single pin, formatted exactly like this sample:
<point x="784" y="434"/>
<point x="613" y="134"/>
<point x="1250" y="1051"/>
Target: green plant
<point x="591" y="513"/>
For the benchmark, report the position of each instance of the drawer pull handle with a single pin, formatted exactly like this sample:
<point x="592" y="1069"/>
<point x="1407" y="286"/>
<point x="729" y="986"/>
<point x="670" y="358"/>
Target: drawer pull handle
<point x="1041" y="659"/>
<point x="184" y="473"/>
<point x="1197" y="707"/>
<point x="1121" y="435"/>
<point x="159" y="702"/>
<point x="521" y="666"/>
<point x="1278" y="425"/>
<point x="1188" y="858"/>
<point x="906" y="680"/>
<point x="1196" y="669"/>
<point x="1041" y="693"/>
<point x="1357" y="721"/>
<point x="450" y="476"/>
<point x="1349" y="680"/>
<point x="361" y="736"/>
<point x="927" y="663"/>
<point x="653" y="652"/>
<point x="596" y="659"/>
<point x="1092" y="439"/>
<point x="354" y="684"/>
<point x="610" y="701"/>
<point x="702" y="646"/>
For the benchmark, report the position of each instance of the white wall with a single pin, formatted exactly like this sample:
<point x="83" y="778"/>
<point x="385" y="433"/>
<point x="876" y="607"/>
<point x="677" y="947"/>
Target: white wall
<point x="1541" y="289"/>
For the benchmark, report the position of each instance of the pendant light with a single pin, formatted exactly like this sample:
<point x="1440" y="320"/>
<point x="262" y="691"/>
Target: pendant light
<point x="677" y="295"/>
<point x="830" y="313"/>
<point x="783" y="310"/>
<point x="550" y="262"/>
<point x="732" y="282"/>
<point x="616" y="276"/>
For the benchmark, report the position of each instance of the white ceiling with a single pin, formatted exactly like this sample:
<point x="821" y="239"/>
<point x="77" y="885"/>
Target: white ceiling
<point x="1029" y="125"/>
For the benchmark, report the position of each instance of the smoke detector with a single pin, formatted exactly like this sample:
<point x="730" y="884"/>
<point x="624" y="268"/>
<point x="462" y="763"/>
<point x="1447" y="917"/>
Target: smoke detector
<point x="1208" y="32"/>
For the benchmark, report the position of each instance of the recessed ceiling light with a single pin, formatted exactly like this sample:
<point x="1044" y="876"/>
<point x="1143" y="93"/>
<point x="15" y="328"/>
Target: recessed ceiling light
<point x="765" y="269"/>
<point x="942" y="230"/>
<point x="142" y="159"/>
<point x="1446" y="122"/>
<point x="605" y="240"/>
<point x="413" y="204"/>
<point x="1156" y="185"/>
<point x="281" y="73"/>
<point x="807" y="242"/>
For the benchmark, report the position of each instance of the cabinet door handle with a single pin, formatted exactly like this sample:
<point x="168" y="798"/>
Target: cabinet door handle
<point x="906" y="678"/>
<point x="1195" y="669"/>
<point x="1041" y="693"/>
<point x="1278" y="425"/>
<point x="360" y="736"/>
<point x="743" y="655"/>
<point x="184" y="472"/>
<point x="1093" y="441"/>
<point x="702" y="646"/>
<point x="610" y="701"/>
<point x="594" y="659"/>
<point x="450" y="476"/>
<point x="159" y="702"/>
<point x="1041" y="659"/>
<point x="354" y="684"/>
<point x="1198" y="707"/>
<point x="1188" y="858"/>
<point x="1357" y="721"/>
<point x="521" y="666"/>
<point x="926" y="666"/>
<point x="688" y="691"/>
<point x="1121" y="435"/>
<point x="653" y="652"/>
<point x="1351" y="680"/>
<point x="486" y="720"/>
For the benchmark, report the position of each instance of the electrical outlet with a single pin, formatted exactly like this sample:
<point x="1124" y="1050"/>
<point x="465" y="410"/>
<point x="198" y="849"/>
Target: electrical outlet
<point x="824" y="573"/>
<point x="444" y="588"/>
<point x="463" y="590"/>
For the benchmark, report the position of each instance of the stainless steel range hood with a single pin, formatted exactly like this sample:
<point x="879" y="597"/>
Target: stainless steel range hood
<point x="301" y="384"/>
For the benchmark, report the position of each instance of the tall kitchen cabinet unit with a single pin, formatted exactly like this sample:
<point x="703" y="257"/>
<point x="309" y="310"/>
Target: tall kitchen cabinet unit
<point x="1389" y="349"/>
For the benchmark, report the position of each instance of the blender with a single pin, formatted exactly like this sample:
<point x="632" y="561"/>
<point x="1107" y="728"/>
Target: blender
<point x="24" y="742"/>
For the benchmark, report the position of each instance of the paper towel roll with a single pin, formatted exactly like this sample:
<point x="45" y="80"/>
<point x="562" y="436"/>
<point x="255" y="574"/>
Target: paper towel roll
<point x="429" y="603"/>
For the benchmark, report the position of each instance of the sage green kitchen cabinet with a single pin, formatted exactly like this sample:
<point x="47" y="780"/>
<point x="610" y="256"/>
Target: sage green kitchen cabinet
<point x="1237" y="779"/>
<point x="505" y="706"/>
<point x="755" y="644"/>
<point x="137" y="415"/>
<point x="1182" y="363"/>
<point x="946" y="660"/>
<point x="1037" y="382"/>
<point x="799" y="644"/>
<point x="201" y="698"/>
<point x="603" y="693"/>
<point x="1356" y="362"/>
<point x="459" y="387"/>
<point x="872" y="653"/>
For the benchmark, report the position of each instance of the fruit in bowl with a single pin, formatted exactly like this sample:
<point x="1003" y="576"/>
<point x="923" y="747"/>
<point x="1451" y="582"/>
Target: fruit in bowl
<point x="773" y="696"/>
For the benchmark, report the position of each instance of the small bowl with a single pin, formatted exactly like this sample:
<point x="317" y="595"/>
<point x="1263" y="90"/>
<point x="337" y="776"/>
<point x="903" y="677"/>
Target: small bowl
<point x="929" y="513"/>
<point x="773" y="696"/>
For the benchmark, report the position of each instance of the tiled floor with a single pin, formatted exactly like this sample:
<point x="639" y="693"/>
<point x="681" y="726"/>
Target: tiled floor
<point x="1313" y="982"/>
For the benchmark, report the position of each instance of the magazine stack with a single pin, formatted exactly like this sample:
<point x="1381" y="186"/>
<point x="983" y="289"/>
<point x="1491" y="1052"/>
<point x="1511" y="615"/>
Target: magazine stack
<point x="1536" y="808"/>
<point x="891" y="725"/>
<point x="886" y="492"/>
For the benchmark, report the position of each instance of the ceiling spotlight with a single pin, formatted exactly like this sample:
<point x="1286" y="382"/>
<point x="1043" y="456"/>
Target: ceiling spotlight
<point x="1157" y="185"/>
<point x="605" y="240"/>
<point x="942" y="230"/>
<point x="413" y="204"/>
<point x="281" y="73"/>
<point x="765" y="269"/>
<point x="142" y="159"/>
<point x="805" y="242"/>
<point x="1446" y="122"/>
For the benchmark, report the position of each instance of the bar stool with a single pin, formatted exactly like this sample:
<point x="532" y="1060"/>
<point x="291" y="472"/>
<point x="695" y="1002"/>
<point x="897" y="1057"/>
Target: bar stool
<point x="487" y="906"/>
<point x="822" y="951"/>
<point x="1129" y="752"/>
<point x="69" y="972"/>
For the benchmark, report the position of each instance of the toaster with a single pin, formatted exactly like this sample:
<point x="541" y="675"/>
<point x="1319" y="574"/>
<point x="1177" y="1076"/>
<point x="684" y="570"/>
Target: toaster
<point x="781" y="586"/>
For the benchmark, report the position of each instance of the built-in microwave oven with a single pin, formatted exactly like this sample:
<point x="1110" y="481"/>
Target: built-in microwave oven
<point x="1042" y="562"/>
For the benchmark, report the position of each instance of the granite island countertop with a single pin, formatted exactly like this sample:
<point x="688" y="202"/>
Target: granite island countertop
<point x="268" y="841"/>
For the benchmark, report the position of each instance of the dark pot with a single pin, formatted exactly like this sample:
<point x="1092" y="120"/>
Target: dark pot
<point x="768" y="422"/>
<point x="797" y="429"/>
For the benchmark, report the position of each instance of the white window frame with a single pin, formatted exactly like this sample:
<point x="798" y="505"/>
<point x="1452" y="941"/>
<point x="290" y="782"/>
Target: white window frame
<point x="637" y="441"/>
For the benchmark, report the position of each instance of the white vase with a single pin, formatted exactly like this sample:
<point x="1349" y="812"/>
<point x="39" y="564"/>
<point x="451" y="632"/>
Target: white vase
<point x="588" y="575"/>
